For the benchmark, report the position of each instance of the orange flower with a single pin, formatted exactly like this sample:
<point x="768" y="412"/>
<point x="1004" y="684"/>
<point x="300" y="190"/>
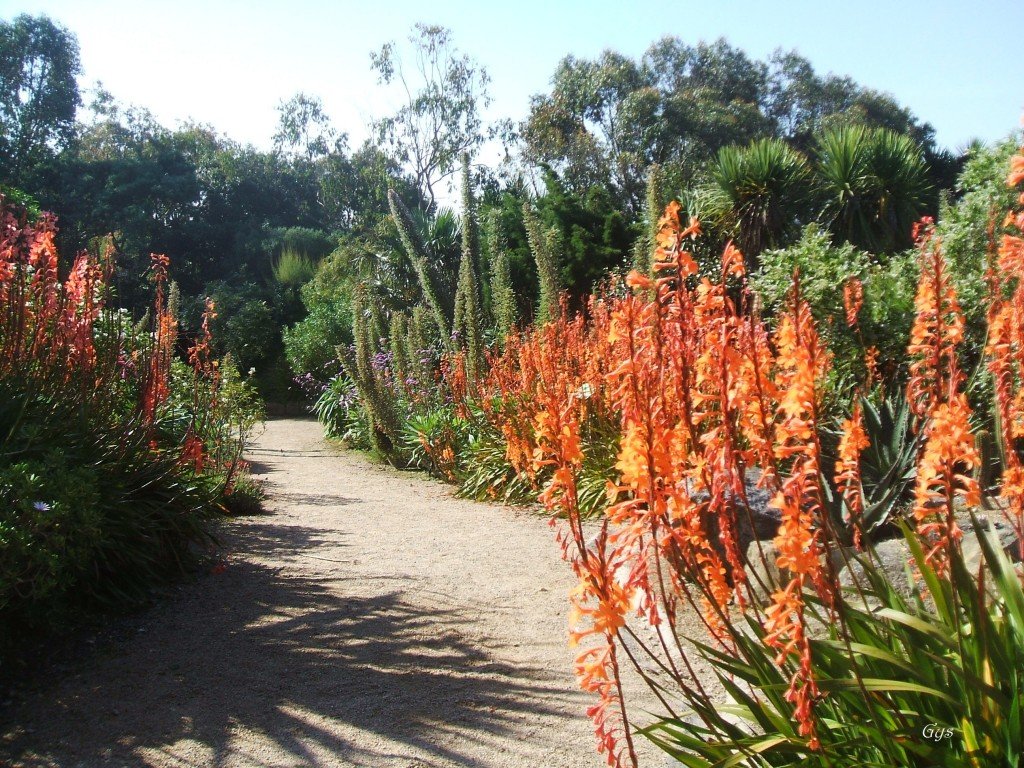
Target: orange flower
<point x="943" y="476"/>
<point x="1016" y="175"/>
<point x="853" y="442"/>
<point x="937" y="330"/>
<point x="853" y="299"/>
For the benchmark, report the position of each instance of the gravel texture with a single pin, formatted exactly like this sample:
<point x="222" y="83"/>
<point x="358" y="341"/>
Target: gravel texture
<point x="369" y="619"/>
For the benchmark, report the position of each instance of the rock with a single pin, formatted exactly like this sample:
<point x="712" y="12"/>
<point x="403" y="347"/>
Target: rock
<point x="971" y="547"/>
<point x="891" y="556"/>
<point x="763" y="574"/>
<point x="755" y="519"/>
<point x="894" y="558"/>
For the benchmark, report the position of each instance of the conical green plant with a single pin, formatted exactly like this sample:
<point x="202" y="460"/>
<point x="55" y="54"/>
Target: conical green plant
<point x="546" y="248"/>
<point x="468" y="317"/>
<point x="377" y="399"/>
<point x="503" y="299"/>
<point x="415" y="249"/>
<point x="398" y="333"/>
<point x="419" y="341"/>
<point x="654" y="204"/>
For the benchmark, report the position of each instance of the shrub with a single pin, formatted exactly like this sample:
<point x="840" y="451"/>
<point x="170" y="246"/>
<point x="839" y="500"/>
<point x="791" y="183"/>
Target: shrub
<point x="108" y="467"/>
<point x="293" y="269"/>
<point x="341" y="413"/>
<point x="309" y="344"/>
<point x="825" y="270"/>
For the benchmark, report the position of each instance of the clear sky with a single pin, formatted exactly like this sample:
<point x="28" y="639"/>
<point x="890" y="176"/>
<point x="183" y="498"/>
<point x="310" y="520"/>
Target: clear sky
<point x="228" y="63"/>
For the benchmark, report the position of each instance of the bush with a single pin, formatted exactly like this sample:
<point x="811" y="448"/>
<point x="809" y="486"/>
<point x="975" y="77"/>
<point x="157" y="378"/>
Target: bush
<point x="112" y="456"/>
<point x="968" y="228"/>
<point x="824" y="272"/>
<point x="342" y="414"/>
<point x="309" y="344"/>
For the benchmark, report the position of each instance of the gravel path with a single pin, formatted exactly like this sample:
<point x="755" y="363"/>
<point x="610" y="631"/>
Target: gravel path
<point x="369" y="620"/>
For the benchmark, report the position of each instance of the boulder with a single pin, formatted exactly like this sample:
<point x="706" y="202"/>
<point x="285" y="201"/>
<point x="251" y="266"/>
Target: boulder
<point x="894" y="558"/>
<point x="756" y="520"/>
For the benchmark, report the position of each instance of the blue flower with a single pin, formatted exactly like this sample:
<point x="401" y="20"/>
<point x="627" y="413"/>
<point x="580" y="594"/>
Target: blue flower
<point x="41" y="506"/>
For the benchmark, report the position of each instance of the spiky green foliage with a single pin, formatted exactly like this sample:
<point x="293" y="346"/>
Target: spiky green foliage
<point x="654" y="204"/>
<point x="503" y="299"/>
<point x="760" y="193"/>
<point x="398" y="334"/>
<point x="468" y="315"/>
<point x="293" y="269"/>
<point x="545" y="245"/>
<point x="875" y="184"/>
<point x="385" y="420"/>
<point x="420" y="345"/>
<point x="416" y="250"/>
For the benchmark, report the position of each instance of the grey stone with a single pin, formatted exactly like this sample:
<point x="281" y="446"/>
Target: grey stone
<point x="893" y="555"/>
<point x="756" y="520"/>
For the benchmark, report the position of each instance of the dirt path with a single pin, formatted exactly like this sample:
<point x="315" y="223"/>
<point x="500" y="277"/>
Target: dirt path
<point x="370" y="620"/>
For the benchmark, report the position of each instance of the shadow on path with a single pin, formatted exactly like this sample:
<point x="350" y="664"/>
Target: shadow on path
<point x="325" y="677"/>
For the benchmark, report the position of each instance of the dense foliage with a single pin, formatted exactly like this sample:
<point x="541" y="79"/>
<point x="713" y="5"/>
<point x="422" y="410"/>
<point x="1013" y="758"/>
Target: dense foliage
<point x="113" y="453"/>
<point x="830" y="381"/>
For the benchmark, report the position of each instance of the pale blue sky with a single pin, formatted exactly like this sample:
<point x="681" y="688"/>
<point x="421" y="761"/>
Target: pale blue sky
<point x="229" y="62"/>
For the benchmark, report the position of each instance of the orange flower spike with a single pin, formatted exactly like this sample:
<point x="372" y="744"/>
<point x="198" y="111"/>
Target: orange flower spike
<point x="1005" y="353"/>
<point x="853" y="299"/>
<point x="1016" y="175"/>
<point x="871" y="364"/>
<point x="942" y="477"/>
<point x="732" y="261"/>
<point x="847" y="475"/>
<point x="937" y="330"/>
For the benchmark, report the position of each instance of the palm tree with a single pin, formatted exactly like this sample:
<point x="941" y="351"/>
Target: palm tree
<point x="759" y="194"/>
<point x="874" y="184"/>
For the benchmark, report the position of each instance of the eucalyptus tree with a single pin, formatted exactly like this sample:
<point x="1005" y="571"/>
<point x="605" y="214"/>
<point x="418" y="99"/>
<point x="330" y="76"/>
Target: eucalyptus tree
<point x="38" y="93"/>
<point x="443" y="93"/>
<point x="304" y="128"/>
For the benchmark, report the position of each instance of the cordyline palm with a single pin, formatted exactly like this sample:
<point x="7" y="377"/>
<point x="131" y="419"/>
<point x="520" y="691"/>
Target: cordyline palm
<point x="759" y="192"/>
<point x="875" y="186"/>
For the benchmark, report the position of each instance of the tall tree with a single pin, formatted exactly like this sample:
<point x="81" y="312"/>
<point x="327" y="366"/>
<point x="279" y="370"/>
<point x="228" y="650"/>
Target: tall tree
<point x="304" y="129"/>
<point x="38" y="92"/>
<point x="444" y="91"/>
<point x="607" y="120"/>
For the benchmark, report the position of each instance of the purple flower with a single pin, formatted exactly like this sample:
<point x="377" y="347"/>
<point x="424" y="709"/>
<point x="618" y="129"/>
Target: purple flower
<point x="41" y="506"/>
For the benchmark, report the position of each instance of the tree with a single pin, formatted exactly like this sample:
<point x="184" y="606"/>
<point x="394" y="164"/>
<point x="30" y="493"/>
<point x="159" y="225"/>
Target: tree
<point x="875" y="184"/>
<point x="440" y="119"/>
<point x="760" y="192"/>
<point x="304" y="129"/>
<point x="609" y="119"/>
<point x="38" y="92"/>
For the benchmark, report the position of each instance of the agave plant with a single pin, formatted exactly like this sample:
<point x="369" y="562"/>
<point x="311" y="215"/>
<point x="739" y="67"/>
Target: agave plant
<point x="925" y="681"/>
<point x="888" y="465"/>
